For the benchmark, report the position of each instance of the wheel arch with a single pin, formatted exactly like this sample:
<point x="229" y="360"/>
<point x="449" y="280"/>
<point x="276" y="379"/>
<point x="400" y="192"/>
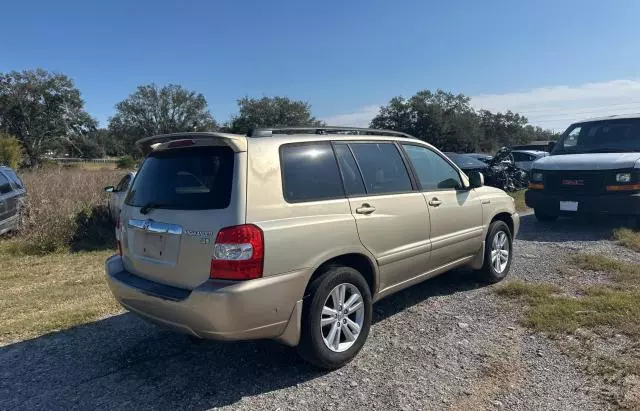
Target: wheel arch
<point x="361" y="262"/>
<point x="502" y="215"/>
<point x="505" y="217"/>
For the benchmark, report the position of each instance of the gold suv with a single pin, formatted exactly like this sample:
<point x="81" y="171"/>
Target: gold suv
<point x="293" y="234"/>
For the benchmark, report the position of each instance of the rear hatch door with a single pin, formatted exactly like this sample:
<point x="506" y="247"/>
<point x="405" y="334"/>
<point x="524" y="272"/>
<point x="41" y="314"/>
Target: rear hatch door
<point x="179" y="200"/>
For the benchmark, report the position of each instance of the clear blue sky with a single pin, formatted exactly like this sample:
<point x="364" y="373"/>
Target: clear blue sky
<point x="338" y="55"/>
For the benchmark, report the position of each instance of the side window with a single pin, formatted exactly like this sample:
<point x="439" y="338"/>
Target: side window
<point x="382" y="168"/>
<point x="123" y="185"/>
<point x="310" y="173"/>
<point x="519" y="157"/>
<point x="434" y="172"/>
<point x="572" y="138"/>
<point x="350" y="174"/>
<point x="5" y="185"/>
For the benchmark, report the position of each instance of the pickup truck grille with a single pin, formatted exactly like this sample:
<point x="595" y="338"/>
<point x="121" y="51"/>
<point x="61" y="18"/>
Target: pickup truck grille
<point x="578" y="182"/>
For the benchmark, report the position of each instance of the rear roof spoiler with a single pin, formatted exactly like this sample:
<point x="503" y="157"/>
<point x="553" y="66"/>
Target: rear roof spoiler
<point x="235" y="141"/>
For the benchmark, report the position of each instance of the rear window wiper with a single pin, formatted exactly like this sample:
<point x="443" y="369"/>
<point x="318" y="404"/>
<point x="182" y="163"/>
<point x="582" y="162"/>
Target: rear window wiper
<point x="151" y="205"/>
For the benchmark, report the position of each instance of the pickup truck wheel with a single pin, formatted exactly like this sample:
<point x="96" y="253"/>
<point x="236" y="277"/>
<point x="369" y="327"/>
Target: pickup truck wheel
<point x="544" y="217"/>
<point x="336" y="317"/>
<point x="497" y="253"/>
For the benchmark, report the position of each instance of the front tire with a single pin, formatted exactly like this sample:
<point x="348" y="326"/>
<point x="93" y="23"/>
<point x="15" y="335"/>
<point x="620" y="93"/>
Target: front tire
<point x="544" y="217"/>
<point x="336" y="317"/>
<point x="498" y="253"/>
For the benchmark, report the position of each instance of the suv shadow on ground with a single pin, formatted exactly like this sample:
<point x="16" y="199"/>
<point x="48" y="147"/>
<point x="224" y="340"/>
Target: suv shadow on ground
<point x="124" y="362"/>
<point x="585" y="228"/>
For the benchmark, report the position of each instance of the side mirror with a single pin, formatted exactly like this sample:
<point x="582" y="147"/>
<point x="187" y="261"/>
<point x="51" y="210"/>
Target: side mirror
<point x="109" y="189"/>
<point x="551" y="146"/>
<point x="476" y="179"/>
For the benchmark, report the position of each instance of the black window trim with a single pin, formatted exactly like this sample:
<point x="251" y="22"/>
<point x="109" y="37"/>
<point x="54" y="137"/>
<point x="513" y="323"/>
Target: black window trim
<point x="414" y="186"/>
<point x="335" y="158"/>
<point x="344" y="185"/>
<point x="445" y="158"/>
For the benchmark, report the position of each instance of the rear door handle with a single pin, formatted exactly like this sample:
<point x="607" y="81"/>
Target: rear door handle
<point x="365" y="209"/>
<point x="435" y="202"/>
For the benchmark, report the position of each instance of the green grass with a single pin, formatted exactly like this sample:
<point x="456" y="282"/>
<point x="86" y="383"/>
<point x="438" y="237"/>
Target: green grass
<point x="532" y="293"/>
<point x="598" y="307"/>
<point x="41" y="294"/>
<point x="627" y="238"/>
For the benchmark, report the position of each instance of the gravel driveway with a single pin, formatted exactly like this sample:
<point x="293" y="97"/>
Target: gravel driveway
<point x="447" y="343"/>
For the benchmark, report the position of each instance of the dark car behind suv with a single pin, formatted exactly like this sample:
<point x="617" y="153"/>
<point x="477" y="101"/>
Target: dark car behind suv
<point x="11" y="199"/>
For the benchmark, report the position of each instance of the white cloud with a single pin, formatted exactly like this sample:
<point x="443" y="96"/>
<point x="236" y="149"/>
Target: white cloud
<point x="558" y="106"/>
<point x="360" y="118"/>
<point x="553" y="107"/>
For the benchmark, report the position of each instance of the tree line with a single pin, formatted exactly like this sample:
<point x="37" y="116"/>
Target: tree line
<point x="44" y="112"/>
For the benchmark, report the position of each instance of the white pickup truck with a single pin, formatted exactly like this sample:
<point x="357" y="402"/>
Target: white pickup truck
<point x="593" y="168"/>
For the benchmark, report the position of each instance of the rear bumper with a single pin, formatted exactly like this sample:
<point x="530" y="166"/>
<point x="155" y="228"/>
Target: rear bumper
<point x="614" y="204"/>
<point x="269" y="307"/>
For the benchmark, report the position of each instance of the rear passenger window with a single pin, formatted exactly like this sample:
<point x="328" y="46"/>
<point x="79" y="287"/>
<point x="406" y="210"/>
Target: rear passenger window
<point x="123" y="185"/>
<point x="310" y="173"/>
<point x="382" y="168"/>
<point x="350" y="174"/>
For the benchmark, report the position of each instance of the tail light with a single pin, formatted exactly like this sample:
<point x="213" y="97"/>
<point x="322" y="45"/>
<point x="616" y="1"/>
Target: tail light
<point x="238" y="253"/>
<point x="118" y="242"/>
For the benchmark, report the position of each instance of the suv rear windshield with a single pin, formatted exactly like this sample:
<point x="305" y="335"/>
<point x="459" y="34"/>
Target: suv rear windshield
<point x="606" y="136"/>
<point x="194" y="178"/>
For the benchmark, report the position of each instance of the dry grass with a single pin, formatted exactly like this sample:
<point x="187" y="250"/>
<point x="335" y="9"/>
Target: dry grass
<point x="530" y="292"/>
<point x="518" y="196"/>
<point x="601" y="310"/>
<point x="616" y="307"/>
<point x="41" y="294"/>
<point x="45" y="286"/>
<point x="626" y="275"/>
<point x="60" y="200"/>
<point x="627" y="238"/>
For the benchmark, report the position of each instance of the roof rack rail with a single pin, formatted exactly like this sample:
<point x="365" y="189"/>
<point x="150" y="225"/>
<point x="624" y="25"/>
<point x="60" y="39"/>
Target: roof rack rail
<point x="268" y="132"/>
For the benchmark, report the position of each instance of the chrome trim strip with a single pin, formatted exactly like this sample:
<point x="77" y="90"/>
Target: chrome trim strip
<point x="156" y="227"/>
<point x="453" y="238"/>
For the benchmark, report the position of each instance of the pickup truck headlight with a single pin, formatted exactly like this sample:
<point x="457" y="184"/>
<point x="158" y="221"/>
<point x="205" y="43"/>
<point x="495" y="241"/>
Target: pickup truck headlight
<point x="536" y="176"/>
<point x="623" y="178"/>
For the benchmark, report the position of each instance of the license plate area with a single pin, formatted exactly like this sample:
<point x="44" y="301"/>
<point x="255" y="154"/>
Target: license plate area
<point x="569" y="206"/>
<point x="153" y="241"/>
<point x="152" y="246"/>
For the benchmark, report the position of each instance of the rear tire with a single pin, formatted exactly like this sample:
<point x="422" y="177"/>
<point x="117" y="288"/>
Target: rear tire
<point x="544" y="217"/>
<point x="315" y="339"/>
<point x="498" y="253"/>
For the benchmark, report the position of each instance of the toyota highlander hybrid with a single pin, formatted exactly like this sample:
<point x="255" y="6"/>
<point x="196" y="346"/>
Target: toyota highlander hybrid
<point x="293" y="234"/>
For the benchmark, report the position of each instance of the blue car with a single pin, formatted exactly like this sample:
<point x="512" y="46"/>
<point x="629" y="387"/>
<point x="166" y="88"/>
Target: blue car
<point x="11" y="199"/>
